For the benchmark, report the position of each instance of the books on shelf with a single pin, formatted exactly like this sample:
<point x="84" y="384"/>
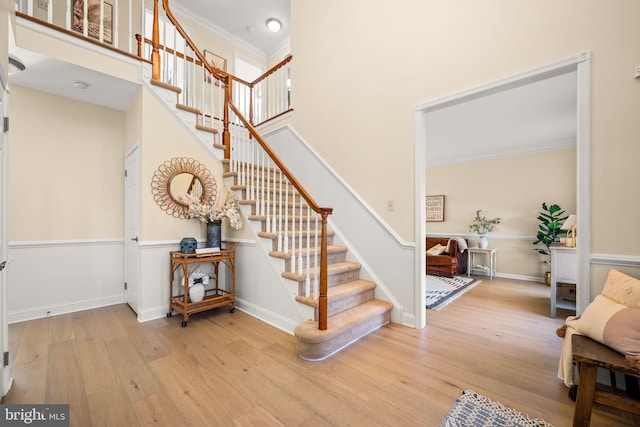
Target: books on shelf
<point x="207" y="251"/>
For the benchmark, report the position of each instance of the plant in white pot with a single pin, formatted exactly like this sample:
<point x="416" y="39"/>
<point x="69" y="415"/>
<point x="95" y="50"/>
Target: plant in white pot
<point x="481" y="226"/>
<point x="549" y="230"/>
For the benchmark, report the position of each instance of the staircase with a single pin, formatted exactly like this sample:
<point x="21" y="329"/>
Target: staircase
<point x="353" y="309"/>
<point x="271" y="198"/>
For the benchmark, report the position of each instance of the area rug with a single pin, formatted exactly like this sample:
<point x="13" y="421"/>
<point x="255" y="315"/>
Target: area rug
<point x="442" y="290"/>
<point x="475" y="410"/>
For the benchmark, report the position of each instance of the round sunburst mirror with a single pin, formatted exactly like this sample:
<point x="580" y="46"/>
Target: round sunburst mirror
<point x="177" y="177"/>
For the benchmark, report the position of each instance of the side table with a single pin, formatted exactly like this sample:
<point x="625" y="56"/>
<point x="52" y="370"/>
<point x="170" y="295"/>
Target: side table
<point x="471" y="256"/>
<point x="213" y="298"/>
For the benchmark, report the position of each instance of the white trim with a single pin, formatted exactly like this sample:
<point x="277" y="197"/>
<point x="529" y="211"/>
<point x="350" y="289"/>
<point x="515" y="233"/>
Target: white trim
<point x="33" y="313"/>
<point x="500" y="153"/>
<point x="78" y="242"/>
<point x="616" y="260"/>
<point x="579" y="63"/>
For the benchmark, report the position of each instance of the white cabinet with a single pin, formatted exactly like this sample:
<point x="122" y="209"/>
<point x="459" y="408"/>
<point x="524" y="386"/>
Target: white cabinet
<point x="564" y="269"/>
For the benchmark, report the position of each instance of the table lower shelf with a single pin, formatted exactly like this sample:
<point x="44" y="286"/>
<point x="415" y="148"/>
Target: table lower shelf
<point x="213" y="298"/>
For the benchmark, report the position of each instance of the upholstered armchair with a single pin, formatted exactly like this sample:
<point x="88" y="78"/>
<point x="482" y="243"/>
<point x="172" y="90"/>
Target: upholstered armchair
<point x="449" y="259"/>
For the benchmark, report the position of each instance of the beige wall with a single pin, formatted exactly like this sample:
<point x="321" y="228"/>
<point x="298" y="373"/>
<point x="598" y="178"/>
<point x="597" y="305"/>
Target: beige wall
<point x="512" y="188"/>
<point x="66" y="171"/>
<point x="356" y="86"/>
<point x="160" y="144"/>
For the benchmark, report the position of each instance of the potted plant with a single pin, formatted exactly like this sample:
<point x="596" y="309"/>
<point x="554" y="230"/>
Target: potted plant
<point x="551" y="219"/>
<point x="481" y="226"/>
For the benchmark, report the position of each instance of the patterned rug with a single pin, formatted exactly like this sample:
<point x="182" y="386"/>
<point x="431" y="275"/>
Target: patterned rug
<point x="442" y="290"/>
<point x="475" y="410"/>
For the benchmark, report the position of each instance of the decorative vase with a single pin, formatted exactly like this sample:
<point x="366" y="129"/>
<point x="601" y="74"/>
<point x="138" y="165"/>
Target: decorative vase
<point x="483" y="243"/>
<point x="196" y="292"/>
<point x="188" y="245"/>
<point x="214" y="234"/>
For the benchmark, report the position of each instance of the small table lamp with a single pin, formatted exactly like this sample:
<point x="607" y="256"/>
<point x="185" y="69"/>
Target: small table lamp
<point x="570" y="226"/>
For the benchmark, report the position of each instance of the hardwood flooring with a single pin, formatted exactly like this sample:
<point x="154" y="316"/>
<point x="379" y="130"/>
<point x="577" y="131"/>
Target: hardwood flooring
<point x="228" y="369"/>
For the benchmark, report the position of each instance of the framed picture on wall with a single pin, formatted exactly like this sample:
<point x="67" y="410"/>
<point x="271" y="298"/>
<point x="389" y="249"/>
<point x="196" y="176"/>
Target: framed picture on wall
<point x="435" y="208"/>
<point x="93" y="19"/>
<point x="215" y="61"/>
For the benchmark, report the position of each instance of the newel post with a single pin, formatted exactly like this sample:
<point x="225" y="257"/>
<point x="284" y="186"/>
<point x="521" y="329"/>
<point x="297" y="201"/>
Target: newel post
<point x="155" y="53"/>
<point x="322" y="294"/>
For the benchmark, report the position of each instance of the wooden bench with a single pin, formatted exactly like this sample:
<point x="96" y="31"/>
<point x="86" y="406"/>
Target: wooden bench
<point x="592" y="355"/>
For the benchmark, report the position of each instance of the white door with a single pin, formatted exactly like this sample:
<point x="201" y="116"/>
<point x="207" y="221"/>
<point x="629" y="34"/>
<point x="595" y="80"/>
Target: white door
<point x="5" y="371"/>
<point x="131" y="225"/>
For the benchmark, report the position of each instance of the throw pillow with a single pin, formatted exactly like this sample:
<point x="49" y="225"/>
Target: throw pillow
<point x="612" y="324"/>
<point x="436" y="250"/>
<point x="622" y="289"/>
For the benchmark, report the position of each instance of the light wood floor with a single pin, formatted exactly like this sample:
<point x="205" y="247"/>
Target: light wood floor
<point x="231" y="369"/>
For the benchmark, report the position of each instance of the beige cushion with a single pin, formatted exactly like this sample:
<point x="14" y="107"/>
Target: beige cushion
<point x="612" y="324"/>
<point x="436" y="250"/>
<point x="622" y="289"/>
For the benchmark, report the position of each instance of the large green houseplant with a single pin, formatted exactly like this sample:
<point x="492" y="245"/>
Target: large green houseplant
<point x="549" y="230"/>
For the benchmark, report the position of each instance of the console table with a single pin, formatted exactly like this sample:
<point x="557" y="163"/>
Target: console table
<point x="564" y="269"/>
<point x="215" y="297"/>
<point x="471" y="256"/>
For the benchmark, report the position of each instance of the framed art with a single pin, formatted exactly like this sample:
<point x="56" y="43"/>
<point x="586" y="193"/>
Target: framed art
<point x="435" y="208"/>
<point x="93" y="19"/>
<point x="215" y="61"/>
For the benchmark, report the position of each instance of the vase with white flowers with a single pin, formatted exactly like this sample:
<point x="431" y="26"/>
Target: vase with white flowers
<point x="212" y="215"/>
<point x="481" y="226"/>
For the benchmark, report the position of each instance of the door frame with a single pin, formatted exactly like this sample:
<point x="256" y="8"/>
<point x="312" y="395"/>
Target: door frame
<point x="132" y="215"/>
<point x="581" y="64"/>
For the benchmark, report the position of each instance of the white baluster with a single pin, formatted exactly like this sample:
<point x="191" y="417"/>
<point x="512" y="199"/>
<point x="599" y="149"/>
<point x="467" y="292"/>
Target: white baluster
<point x="286" y="217"/>
<point x="316" y="279"/>
<point x="293" y="229"/>
<point x="281" y="215"/>
<point x="300" y="228"/>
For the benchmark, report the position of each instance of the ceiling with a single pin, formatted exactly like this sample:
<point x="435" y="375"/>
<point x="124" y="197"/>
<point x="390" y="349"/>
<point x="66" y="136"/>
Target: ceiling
<point x="538" y="116"/>
<point x="242" y="19"/>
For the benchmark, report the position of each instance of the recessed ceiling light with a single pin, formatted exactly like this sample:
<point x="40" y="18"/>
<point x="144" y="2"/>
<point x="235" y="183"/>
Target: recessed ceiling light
<point x="274" y="25"/>
<point x="80" y="85"/>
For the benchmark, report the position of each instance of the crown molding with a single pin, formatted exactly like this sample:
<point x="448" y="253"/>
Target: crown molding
<point x="186" y="13"/>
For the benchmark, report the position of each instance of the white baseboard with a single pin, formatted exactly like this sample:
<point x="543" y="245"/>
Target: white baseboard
<point x="57" y="309"/>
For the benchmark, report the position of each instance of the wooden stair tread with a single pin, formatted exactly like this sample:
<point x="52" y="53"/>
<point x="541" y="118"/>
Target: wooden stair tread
<point x="308" y="331"/>
<point x="207" y="129"/>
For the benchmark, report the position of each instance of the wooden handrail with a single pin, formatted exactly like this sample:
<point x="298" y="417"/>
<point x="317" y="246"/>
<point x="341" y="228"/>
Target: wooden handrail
<point x="272" y="70"/>
<point x="228" y="79"/>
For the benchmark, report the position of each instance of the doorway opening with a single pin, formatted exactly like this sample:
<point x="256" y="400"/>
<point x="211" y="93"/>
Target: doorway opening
<point x="580" y="66"/>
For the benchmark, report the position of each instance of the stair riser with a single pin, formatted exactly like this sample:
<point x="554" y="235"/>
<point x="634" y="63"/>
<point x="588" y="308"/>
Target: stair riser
<point x="334" y="279"/>
<point x="295" y="209"/>
<point x="277" y="195"/>
<point x="290" y="225"/>
<point x="343" y="304"/>
<point x="332" y="258"/>
<point x="304" y="243"/>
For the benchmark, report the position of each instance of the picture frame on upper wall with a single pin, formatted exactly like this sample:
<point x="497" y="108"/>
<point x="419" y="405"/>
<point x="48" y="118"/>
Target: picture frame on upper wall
<point x="216" y="61"/>
<point x="93" y="19"/>
<point x="435" y="208"/>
